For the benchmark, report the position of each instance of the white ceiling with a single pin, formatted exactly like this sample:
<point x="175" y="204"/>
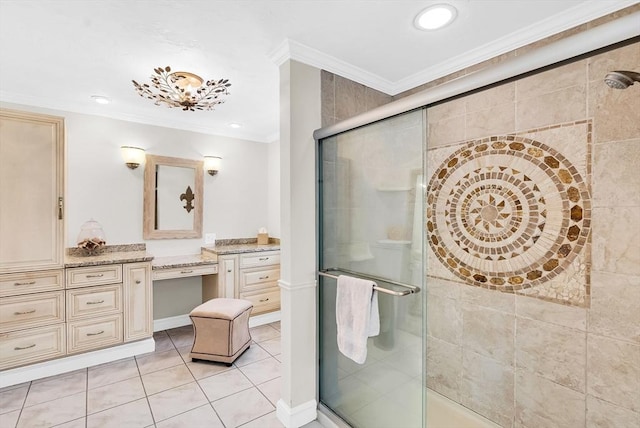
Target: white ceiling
<point x="57" y="53"/>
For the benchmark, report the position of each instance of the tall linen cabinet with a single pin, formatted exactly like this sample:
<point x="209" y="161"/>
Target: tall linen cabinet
<point x="32" y="307"/>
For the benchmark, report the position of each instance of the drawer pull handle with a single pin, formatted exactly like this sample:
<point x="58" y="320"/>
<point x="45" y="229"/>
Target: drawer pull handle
<point x="95" y="334"/>
<point x="97" y="302"/>
<point x="263" y="258"/>
<point x="186" y="271"/>
<point x="25" y="312"/>
<point x="264" y="277"/>
<point x="17" y="284"/>
<point x="18" y="348"/>
<point x="264" y="300"/>
<point x="99" y="275"/>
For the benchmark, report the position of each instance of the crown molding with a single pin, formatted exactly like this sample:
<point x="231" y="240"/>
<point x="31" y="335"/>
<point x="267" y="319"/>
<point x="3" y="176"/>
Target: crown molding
<point x="573" y="17"/>
<point x="292" y="50"/>
<point x="577" y="15"/>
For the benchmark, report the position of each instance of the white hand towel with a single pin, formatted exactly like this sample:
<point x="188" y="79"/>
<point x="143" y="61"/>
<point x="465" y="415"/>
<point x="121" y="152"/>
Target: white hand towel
<point x="357" y="316"/>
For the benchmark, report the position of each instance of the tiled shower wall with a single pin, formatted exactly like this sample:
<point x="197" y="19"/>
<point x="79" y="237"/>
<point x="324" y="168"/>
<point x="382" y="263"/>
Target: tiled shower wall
<point x="549" y="361"/>
<point x="532" y="362"/>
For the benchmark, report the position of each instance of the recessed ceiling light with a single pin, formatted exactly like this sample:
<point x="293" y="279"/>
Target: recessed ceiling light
<point x="436" y="16"/>
<point x="100" y="99"/>
<point x="235" y="125"/>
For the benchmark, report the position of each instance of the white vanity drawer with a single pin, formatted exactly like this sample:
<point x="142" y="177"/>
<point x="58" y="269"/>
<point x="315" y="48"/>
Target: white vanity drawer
<point x="263" y="301"/>
<point x="94" y="333"/>
<point x="265" y="258"/>
<point x="94" y="275"/>
<point x="32" y="345"/>
<point x="31" y="310"/>
<point x="184" y="272"/>
<point x="259" y="278"/>
<point x="31" y="282"/>
<point x="94" y="301"/>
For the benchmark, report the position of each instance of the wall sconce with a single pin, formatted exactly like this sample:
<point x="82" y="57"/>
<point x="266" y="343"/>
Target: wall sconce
<point x="133" y="156"/>
<point x="212" y="164"/>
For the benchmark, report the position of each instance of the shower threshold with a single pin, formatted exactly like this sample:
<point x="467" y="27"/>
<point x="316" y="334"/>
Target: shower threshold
<point x="441" y="413"/>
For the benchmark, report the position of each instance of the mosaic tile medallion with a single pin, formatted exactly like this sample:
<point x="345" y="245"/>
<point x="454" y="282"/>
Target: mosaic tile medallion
<point x="507" y="213"/>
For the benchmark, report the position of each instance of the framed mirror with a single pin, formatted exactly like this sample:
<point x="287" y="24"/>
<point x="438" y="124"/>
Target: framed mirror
<point x="172" y="198"/>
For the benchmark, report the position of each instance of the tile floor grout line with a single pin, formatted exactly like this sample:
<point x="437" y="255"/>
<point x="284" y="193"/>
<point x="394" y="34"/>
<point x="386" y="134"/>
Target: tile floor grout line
<point x="146" y="396"/>
<point x="178" y="337"/>
<point x="86" y="402"/>
<point x="24" y="400"/>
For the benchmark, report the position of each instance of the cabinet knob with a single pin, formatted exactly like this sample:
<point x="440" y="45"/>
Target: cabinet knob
<point x="229" y="271"/>
<point x="138" y="281"/>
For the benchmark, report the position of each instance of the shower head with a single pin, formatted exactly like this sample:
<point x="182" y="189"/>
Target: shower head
<point x="621" y="79"/>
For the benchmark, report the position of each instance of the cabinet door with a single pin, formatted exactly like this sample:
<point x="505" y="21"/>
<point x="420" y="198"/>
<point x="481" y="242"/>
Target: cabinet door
<point x="31" y="191"/>
<point x="228" y="272"/>
<point x="138" y="301"/>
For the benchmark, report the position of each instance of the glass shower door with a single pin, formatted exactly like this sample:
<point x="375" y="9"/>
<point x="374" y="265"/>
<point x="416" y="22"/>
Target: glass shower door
<point x="371" y="217"/>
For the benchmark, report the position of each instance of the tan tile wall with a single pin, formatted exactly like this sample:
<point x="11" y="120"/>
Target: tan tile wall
<point x="524" y="362"/>
<point x="343" y="98"/>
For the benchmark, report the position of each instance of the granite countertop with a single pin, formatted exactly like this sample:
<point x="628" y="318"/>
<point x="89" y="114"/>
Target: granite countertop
<point x="110" y="254"/>
<point x="171" y="262"/>
<point x="237" y="246"/>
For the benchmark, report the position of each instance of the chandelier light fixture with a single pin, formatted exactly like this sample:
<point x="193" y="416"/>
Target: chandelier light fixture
<point x="183" y="89"/>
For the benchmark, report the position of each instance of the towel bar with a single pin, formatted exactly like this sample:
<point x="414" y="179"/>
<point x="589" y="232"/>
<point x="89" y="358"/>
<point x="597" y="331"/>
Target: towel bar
<point x="412" y="289"/>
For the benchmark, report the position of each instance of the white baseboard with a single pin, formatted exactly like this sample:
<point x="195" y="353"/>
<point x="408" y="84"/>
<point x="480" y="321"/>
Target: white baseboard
<point x="75" y="362"/>
<point x="263" y="319"/>
<point x="182" y="320"/>
<point x="171" y="322"/>
<point x="297" y="416"/>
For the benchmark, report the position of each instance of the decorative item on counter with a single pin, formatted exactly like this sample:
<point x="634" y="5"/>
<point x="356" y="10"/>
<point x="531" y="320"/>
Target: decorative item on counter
<point x="91" y="238"/>
<point x="263" y="236"/>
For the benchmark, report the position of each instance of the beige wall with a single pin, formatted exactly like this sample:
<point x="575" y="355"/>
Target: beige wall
<point x="237" y="201"/>
<point x="528" y="362"/>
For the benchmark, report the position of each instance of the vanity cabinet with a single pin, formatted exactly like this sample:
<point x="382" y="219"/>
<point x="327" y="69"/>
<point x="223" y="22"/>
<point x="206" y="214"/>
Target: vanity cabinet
<point x="108" y="304"/>
<point x="94" y="307"/>
<point x="138" y="301"/>
<point x="32" y="192"/>
<point x="251" y="276"/>
<point x="32" y="317"/>
<point x="227" y="276"/>
<point x="258" y="275"/>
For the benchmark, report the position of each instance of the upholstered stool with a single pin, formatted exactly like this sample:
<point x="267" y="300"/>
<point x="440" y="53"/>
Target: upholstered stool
<point x="221" y="330"/>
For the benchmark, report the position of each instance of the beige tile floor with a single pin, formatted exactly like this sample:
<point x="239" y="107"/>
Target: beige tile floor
<point x="162" y="389"/>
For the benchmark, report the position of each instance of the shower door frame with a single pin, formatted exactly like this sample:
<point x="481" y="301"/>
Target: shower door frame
<point x="421" y="289"/>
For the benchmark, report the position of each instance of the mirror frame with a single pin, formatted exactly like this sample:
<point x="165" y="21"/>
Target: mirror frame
<point x="148" y="224"/>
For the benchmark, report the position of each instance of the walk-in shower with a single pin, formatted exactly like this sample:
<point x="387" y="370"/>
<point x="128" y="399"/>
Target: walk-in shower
<point x="487" y="196"/>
